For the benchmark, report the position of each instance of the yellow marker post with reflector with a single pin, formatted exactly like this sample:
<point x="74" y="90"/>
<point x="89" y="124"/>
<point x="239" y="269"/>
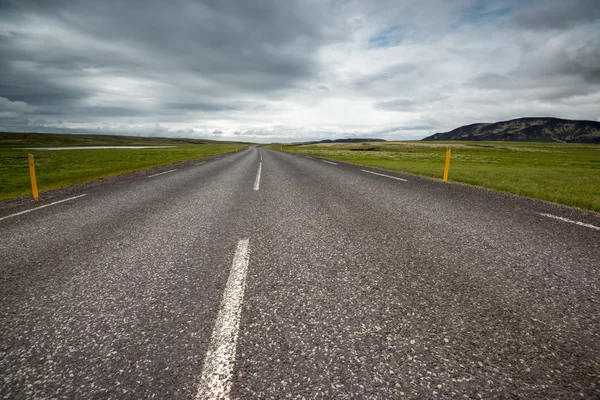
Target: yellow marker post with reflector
<point x="447" y="165"/>
<point x="34" y="189"/>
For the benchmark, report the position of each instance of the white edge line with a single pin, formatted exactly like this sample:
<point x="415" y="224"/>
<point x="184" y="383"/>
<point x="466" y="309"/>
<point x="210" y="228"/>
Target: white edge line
<point x="570" y="221"/>
<point x="257" y="181"/>
<point x="44" y="206"/>
<point x="216" y="378"/>
<point x="329" y="162"/>
<point x="387" y="176"/>
<point x="162" y="173"/>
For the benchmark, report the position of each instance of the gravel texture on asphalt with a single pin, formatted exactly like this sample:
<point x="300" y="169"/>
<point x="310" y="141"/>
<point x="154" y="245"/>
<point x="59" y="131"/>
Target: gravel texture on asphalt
<point x="358" y="286"/>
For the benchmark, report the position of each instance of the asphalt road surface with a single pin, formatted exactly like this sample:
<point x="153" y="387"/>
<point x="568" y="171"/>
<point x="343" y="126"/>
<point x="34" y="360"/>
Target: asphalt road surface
<point x="270" y="275"/>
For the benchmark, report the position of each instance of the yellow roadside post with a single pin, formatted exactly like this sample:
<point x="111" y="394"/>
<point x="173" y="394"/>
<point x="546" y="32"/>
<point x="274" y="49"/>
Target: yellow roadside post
<point x="447" y="165"/>
<point x="34" y="188"/>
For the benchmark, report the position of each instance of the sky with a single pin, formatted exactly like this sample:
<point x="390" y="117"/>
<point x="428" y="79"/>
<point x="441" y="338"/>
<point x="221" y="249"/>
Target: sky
<point x="289" y="71"/>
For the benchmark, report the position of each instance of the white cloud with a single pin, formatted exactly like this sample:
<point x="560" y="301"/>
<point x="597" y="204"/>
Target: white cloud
<point x="12" y="109"/>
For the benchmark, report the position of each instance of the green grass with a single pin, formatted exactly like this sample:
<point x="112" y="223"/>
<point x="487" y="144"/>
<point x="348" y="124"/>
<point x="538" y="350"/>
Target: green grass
<point x="13" y="139"/>
<point x="58" y="168"/>
<point x="562" y="173"/>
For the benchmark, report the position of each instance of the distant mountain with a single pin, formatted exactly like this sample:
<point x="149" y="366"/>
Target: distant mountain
<point x="527" y="129"/>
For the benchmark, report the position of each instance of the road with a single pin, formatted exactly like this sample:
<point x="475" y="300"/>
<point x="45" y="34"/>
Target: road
<point x="308" y="279"/>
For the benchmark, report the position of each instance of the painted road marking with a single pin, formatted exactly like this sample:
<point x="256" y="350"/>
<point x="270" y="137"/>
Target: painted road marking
<point x="387" y="176"/>
<point x="44" y="206"/>
<point x="201" y="162"/>
<point x="261" y="157"/>
<point x="570" y="221"/>
<point x="162" y="173"/>
<point x="329" y="162"/>
<point x="215" y="381"/>
<point x="257" y="181"/>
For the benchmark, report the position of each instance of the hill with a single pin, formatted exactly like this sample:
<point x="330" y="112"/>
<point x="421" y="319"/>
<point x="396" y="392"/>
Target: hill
<point x="347" y="140"/>
<point x="527" y="129"/>
<point x="32" y="139"/>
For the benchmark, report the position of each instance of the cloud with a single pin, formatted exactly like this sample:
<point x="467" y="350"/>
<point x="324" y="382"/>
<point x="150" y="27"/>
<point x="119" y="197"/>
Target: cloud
<point x="390" y="75"/>
<point x="396" y="105"/>
<point x="297" y="69"/>
<point x="10" y="110"/>
<point x="201" y="106"/>
<point x="567" y="65"/>
<point x="217" y="132"/>
<point x="387" y="37"/>
<point x="557" y="14"/>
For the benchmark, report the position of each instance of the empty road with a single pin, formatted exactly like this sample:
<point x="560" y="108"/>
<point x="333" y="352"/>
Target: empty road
<point x="270" y="275"/>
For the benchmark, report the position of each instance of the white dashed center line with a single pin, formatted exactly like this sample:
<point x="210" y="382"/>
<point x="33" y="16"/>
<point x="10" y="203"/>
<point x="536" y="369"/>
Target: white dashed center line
<point x="329" y="162"/>
<point x="570" y="221"/>
<point x="40" y="207"/>
<point x="387" y="176"/>
<point x="257" y="181"/>
<point x="162" y="173"/>
<point x="215" y="381"/>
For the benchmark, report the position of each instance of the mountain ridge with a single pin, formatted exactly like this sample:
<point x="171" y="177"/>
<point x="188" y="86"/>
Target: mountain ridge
<point x="526" y="129"/>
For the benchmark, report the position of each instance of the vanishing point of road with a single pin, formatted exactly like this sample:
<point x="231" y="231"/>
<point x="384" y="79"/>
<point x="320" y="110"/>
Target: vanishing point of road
<point x="269" y="275"/>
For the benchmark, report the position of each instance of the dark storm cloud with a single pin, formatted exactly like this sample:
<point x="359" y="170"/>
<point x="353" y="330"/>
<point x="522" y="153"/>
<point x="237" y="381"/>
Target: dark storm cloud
<point x="584" y="61"/>
<point x="251" y="45"/>
<point x="577" y="57"/>
<point x="230" y="47"/>
<point x="108" y="112"/>
<point x="551" y="73"/>
<point x="557" y="14"/>
<point x="41" y="71"/>
<point x="34" y="87"/>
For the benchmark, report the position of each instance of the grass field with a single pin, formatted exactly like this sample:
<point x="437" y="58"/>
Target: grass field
<point x="562" y="173"/>
<point x="58" y="168"/>
<point x="14" y="139"/>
